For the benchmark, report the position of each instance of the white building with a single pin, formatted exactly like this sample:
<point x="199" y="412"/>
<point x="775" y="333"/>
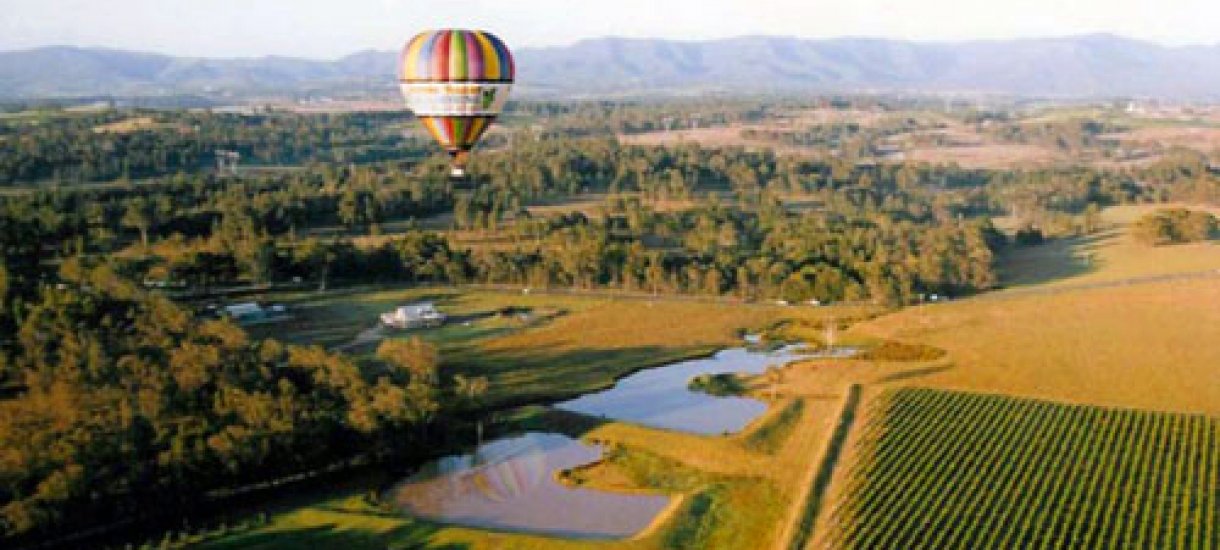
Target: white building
<point x="423" y="314"/>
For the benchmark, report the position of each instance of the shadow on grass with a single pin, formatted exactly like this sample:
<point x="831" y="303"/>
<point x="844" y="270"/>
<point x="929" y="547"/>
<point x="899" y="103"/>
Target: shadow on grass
<point x="1053" y="260"/>
<point x="390" y="528"/>
<point x="547" y="419"/>
<point x="812" y="502"/>
<point x="912" y="373"/>
<point x="532" y="375"/>
<point x="411" y="536"/>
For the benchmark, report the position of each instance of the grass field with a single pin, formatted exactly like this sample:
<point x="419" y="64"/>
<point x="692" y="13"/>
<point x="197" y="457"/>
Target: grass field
<point x="1108" y="256"/>
<point x="988" y="155"/>
<point x="969" y="146"/>
<point x="1073" y="333"/>
<point x="955" y="470"/>
<point x="1147" y="346"/>
<point x="568" y="345"/>
<point x="134" y="124"/>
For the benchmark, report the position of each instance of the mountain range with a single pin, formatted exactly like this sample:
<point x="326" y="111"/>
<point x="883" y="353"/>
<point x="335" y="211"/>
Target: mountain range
<point x="1085" y="66"/>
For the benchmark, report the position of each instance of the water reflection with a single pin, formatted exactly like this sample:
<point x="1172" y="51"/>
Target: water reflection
<point x="510" y="484"/>
<point x="659" y="397"/>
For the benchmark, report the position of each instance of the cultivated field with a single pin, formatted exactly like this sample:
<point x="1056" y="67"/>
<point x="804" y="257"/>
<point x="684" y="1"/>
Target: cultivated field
<point x="943" y="469"/>
<point x="731" y="134"/>
<point x="987" y="155"/>
<point x="972" y="145"/>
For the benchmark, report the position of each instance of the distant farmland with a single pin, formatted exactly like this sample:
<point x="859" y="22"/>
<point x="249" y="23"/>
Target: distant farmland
<point x="939" y="469"/>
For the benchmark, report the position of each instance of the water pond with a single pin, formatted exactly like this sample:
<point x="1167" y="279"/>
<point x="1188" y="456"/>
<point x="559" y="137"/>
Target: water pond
<point x="510" y="484"/>
<point x="659" y="397"/>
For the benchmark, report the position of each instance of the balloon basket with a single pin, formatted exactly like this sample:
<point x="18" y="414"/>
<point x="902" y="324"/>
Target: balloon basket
<point x="460" y="180"/>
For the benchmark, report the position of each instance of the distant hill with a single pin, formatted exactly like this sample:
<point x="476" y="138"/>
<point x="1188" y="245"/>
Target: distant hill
<point x="70" y="71"/>
<point x="1078" y="66"/>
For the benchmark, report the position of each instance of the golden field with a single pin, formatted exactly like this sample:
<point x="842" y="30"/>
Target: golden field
<point x="1145" y="346"/>
<point x="1106" y="257"/>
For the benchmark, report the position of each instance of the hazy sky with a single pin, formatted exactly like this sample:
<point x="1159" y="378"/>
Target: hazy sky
<point x="331" y="28"/>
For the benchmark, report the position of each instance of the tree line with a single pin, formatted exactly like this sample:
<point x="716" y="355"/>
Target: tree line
<point x="117" y="144"/>
<point x="1174" y="226"/>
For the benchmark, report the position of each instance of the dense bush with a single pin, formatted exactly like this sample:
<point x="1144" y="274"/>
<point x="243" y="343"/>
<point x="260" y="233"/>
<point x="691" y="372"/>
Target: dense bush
<point x="1174" y="226"/>
<point x="890" y="350"/>
<point x="721" y="384"/>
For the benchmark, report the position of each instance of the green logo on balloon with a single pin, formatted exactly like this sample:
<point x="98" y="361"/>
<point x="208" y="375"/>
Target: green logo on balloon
<point x="489" y="97"/>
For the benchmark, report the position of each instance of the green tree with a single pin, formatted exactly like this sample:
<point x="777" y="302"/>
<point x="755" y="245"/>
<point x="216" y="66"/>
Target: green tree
<point x="1091" y="222"/>
<point x="139" y="216"/>
<point x="318" y="256"/>
<point x="471" y="390"/>
<point x="415" y="357"/>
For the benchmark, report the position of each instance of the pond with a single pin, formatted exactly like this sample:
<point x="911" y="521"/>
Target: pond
<point x="510" y="484"/>
<point x="659" y="397"/>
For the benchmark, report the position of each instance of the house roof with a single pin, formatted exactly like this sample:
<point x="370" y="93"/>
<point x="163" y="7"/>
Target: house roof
<point x="414" y="310"/>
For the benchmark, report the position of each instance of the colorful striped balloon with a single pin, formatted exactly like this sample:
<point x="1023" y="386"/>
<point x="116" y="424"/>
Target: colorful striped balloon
<point x="456" y="82"/>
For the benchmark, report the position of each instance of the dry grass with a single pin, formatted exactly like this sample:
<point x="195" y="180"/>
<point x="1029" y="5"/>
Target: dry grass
<point x="971" y="149"/>
<point x="731" y="135"/>
<point x="1109" y="256"/>
<point x="1198" y="138"/>
<point x="865" y="118"/>
<point x="133" y="124"/>
<point x="338" y="106"/>
<point x="988" y="155"/>
<point x="1147" y="346"/>
<point x="715" y="136"/>
<point x="584" y="351"/>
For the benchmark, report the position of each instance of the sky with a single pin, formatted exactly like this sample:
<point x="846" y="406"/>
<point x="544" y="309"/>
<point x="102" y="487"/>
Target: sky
<point x="328" y="29"/>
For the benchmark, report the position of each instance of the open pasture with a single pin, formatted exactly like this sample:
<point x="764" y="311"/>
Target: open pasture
<point x="1108" y="256"/>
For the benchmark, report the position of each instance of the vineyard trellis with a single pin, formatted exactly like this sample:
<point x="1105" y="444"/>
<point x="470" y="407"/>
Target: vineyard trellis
<point x="943" y="469"/>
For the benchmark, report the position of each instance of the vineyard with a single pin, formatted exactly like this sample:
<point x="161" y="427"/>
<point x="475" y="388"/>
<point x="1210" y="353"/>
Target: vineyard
<point x="939" y="469"/>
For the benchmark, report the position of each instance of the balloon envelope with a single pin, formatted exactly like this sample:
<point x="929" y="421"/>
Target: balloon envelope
<point x="456" y="82"/>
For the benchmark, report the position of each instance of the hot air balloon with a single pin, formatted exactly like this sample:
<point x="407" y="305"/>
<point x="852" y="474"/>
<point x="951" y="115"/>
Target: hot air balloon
<point x="456" y="82"/>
